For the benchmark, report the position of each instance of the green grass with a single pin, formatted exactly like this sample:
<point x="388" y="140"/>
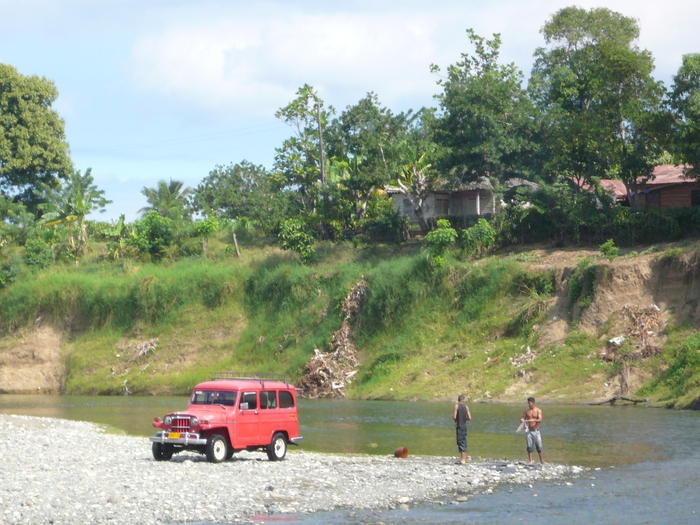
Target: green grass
<point x="423" y="332"/>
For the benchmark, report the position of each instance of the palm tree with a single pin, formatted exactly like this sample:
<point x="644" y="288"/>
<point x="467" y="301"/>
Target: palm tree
<point x="168" y="199"/>
<point x="70" y="204"/>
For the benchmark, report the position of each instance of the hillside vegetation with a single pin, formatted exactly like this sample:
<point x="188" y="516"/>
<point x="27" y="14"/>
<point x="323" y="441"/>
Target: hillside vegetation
<point x="532" y="323"/>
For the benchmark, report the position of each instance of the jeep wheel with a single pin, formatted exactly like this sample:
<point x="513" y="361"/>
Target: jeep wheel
<point x="278" y="448"/>
<point x="217" y="449"/>
<point x="162" y="451"/>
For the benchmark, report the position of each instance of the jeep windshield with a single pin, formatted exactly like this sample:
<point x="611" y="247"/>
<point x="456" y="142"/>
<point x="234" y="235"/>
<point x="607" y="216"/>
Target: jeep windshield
<point x="213" y="397"/>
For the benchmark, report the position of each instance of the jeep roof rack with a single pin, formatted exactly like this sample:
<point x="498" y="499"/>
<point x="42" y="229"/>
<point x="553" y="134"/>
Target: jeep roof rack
<point x="236" y="376"/>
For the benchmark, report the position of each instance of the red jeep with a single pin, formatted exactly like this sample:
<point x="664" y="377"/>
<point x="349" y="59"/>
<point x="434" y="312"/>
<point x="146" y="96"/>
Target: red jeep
<point x="230" y="414"/>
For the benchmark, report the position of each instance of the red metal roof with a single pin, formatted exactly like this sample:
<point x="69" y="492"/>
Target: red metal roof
<point x="667" y="174"/>
<point x="611" y="186"/>
<point x="614" y="186"/>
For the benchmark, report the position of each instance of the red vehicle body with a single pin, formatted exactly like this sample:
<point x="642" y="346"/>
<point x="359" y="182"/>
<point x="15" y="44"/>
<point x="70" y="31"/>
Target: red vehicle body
<point x="230" y="414"/>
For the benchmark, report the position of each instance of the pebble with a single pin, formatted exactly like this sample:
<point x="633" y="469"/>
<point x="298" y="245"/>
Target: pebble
<point x="65" y="472"/>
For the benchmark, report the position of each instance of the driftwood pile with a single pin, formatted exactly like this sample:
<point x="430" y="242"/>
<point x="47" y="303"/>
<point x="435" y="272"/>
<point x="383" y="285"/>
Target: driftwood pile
<point x="326" y="375"/>
<point x="643" y="326"/>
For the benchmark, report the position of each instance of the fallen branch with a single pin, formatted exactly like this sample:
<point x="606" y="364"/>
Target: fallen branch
<point x="614" y="399"/>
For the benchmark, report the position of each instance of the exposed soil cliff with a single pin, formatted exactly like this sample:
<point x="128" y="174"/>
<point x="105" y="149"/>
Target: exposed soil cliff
<point x="31" y="362"/>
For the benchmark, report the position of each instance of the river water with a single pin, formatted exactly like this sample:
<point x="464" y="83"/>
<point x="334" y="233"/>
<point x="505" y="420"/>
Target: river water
<point x="645" y="463"/>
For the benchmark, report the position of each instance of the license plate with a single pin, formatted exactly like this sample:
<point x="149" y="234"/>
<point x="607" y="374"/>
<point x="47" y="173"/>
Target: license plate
<point x="174" y="435"/>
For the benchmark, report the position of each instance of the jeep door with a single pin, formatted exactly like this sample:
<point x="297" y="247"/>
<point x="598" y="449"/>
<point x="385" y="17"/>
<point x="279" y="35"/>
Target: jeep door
<point x="270" y="415"/>
<point x="248" y="434"/>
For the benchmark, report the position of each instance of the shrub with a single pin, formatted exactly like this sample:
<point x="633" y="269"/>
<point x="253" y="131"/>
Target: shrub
<point x="609" y="250"/>
<point x="294" y="236"/>
<point x="38" y="253"/>
<point x="478" y="239"/>
<point x="438" y="240"/>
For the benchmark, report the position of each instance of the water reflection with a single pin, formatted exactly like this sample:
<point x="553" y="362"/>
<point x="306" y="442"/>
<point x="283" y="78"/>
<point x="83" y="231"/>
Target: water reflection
<point x="572" y="434"/>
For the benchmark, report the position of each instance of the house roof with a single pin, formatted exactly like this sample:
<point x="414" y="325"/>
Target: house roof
<point x="610" y="186"/>
<point x="517" y="182"/>
<point x="667" y="174"/>
<point x="482" y="183"/>
<point x="616" y="187"/>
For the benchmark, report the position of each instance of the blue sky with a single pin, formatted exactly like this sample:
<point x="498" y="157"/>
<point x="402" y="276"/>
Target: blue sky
<point x="152" y="90"/>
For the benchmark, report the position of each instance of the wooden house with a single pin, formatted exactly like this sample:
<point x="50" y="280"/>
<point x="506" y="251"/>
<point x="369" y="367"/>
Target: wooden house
<point x="667" y="188"/>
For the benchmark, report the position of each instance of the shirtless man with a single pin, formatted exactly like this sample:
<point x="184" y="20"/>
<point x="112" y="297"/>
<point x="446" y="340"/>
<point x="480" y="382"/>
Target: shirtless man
<point x="533" y="416"/>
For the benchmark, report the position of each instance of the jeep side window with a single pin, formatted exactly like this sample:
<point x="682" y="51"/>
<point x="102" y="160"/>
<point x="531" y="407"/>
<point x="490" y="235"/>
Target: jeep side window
<point x="286" y="399"/>
<point x="268" y="399"/>
<point x="251" y="399"/>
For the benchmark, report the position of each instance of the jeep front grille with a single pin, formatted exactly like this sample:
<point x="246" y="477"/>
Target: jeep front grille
<point x="180" y="424"/>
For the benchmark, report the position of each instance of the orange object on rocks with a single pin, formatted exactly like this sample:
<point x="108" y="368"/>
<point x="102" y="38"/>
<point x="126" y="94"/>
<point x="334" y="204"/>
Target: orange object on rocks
<point x="401" y="452"/>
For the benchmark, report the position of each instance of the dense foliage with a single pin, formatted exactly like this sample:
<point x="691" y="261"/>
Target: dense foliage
<point x="591" y="109"/>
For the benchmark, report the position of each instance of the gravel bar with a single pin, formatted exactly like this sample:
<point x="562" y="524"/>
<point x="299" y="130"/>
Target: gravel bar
<point x="60" y="472"/>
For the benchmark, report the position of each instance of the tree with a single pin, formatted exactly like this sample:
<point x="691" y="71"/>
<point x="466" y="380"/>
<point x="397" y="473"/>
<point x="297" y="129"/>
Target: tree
<point x="33" y="149"/>
<point x="301" y="159"/>
<point x="152" y="234"/>
<point x="203" y="229"/>
<point x="685" y="101"/>
<point x="167" y="199"/>
<point x="242" y="190"/>
<point x="488" y="124"/>
<point x="70" y="204"/>
<point x="603" y="107"/>
<point x="363" y="144"/>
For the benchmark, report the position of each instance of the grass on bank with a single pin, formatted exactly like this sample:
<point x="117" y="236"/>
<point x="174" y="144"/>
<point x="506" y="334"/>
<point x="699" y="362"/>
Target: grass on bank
<point x="423" y="333"/>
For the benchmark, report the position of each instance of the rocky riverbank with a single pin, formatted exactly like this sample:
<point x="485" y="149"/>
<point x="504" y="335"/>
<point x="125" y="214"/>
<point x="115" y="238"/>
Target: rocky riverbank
<point x="67" y="472"/>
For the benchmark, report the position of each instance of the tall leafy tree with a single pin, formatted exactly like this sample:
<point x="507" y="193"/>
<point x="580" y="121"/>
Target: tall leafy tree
<point x="168" y="199"/>
<point x="302" y="158"/>
<point x="488" y="123"/>
<point x="363" y="144"/>
<point x="243" y="190"/>
<point x="70" y="204"/>
<point x="685" y="101"/>
<point x="33" y="148"/>
<point x="604" y="109"/>
<point x="416" y="176"/>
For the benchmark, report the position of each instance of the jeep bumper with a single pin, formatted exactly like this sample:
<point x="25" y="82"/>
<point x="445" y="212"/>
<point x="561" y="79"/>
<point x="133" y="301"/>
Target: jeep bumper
<point x="296" y="440"/>
<point x="183" y="438"/>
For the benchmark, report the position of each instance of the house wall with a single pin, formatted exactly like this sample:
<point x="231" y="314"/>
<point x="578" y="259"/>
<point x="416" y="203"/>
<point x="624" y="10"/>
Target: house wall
<point x="464" y="203"/>
<point x="459" y="203"/>
<point x="678" y="196"/>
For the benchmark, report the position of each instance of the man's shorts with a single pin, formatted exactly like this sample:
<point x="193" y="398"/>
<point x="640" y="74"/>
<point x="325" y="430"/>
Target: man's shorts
<point x="534" y="440"/>
<point x="462" y="439"/>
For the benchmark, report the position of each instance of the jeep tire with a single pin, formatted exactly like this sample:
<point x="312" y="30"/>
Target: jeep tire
<point x="277" y="449"/>
<point x="217" y="449"/>
<point x="162" y="451"/>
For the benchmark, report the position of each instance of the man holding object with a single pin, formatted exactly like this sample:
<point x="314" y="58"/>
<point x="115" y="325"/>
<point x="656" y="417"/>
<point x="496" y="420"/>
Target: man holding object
<point x="461" y="415"/>
<point x="533" y="418"/>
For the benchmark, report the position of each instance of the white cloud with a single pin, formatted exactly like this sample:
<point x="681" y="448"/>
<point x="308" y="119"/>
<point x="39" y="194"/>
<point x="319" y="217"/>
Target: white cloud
<point x="254" y="66"/>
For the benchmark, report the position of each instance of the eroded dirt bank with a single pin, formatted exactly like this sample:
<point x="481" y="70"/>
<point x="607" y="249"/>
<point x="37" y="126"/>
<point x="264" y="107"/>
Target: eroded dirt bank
<point x="631" y="298"/>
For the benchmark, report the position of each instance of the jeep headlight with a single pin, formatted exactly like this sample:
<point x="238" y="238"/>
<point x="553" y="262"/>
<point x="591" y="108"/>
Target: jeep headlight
<point x="167" y="420"/>
<point x="194" y="421"/>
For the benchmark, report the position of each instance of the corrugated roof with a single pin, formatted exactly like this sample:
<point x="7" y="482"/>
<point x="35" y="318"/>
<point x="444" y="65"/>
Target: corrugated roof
<point x="667" y="174"/>
<point x="614" y="186"/>
<point x="611" y="186"/>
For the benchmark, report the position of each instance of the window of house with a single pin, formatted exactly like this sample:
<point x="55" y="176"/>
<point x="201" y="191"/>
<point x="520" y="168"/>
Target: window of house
<point x="695" y="198"/>
<point x="442" y="206"/>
